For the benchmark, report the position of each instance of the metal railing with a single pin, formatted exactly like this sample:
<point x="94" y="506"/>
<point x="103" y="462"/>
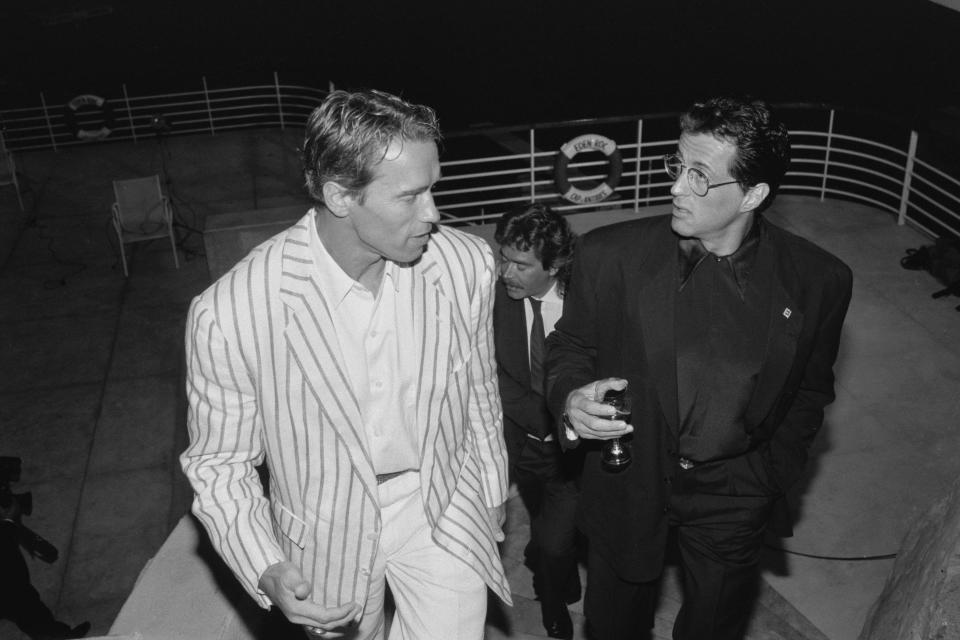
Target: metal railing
<point x="837" y="153"/>
<point x="126" y="117"/>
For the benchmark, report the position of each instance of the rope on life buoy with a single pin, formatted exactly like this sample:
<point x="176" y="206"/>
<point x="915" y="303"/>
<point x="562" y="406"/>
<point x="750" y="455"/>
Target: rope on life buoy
<point x="588" y="142"/>
<point x="88" y="100"/>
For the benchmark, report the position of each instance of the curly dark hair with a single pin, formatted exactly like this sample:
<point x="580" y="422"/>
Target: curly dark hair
<point x="536" y="226"/>
<point x="350" y="132"/>
<point x="762" y="142"/>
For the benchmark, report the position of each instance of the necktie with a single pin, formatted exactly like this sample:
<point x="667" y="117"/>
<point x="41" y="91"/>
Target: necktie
<point x="536" y="348"/>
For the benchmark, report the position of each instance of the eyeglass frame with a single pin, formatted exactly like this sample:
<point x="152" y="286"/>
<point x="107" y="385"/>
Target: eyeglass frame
<point x="679" y="161"/>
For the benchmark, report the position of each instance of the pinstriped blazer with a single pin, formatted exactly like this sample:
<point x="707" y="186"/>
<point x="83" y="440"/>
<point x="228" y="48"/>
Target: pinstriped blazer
<point x="266" y="381"/>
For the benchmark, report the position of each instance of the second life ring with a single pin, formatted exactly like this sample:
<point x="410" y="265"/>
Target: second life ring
<point x="81" y="102"/>
<point x="588" y="142"/>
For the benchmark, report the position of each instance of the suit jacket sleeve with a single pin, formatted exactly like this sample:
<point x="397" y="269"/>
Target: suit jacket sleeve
<point x="225" y="445"/>
<point x="803" y="407"/>
<point x="572" y="346"/>
<point x="485" y="413"/>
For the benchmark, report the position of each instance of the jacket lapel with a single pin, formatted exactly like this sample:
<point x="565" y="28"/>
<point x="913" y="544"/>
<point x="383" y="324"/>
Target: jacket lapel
<point x="430" y="324"/>
<point x="783" y="331"/>
<point x="511" y="330"/>
<point x="312" y="343"/>
<point x="656" y="290"/>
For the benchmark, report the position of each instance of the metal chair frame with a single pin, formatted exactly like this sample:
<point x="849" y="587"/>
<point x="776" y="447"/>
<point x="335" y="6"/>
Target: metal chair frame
<point x="141" y="212"/>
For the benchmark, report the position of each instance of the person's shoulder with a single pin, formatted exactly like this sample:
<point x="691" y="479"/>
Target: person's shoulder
<point x="261" y="258"/>
<point x="451" y="239"/>
<point x="627" y="232"/>
<point x="807" y="254"/>
<point x="457" y="251"/>
<point x="611" y="244"/>
<point x="457" y="258"/>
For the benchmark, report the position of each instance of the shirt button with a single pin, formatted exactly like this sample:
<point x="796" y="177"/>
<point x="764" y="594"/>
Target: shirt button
<point x="372" y="536"/>
<point x="373" y="334"/>
<point x="365" y="572"/>
<point x="666" y="509"/>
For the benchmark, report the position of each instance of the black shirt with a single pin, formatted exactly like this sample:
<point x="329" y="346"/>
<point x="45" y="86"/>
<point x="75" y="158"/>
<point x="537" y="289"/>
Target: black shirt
<point x="721" y="335"/>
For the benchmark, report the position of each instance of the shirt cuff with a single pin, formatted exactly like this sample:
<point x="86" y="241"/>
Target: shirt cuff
<point x="568" y="429"/>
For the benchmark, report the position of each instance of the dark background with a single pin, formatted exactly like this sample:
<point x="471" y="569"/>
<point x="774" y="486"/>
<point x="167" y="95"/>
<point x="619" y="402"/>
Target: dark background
<point x="498" y="61"/>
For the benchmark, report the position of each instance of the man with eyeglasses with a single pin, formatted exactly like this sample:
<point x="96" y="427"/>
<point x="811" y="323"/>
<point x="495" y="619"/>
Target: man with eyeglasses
<point x="723" y="328"/>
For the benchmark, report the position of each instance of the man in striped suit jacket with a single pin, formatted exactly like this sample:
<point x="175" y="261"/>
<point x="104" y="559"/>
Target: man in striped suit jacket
<point x="353" y="352"/>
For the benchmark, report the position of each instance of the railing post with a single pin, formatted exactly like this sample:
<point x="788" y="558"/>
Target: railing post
<point x="276" y="83"/>
<point x="907" y="178"/>
<point x="826" y="158"/>
<point x="206" y="97"/>
<point x="126" y="99"/>
<point x="636" y="178"/>
<point x="46" y="116"/>
<point x="533" y="167"/>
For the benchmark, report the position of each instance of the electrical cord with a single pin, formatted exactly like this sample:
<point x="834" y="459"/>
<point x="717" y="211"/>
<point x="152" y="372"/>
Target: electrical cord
<point x="176" y="202"/>
<point x="47" y="283"/>
<point x="883" y="556"/>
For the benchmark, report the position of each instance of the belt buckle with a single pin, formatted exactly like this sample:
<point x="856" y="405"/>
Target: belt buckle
<point x="686" y="464"/>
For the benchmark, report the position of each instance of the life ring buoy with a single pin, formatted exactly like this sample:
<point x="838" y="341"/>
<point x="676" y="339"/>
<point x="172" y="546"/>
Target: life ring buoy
<point x="588" y="142"/>
<point x="88" y="100"/>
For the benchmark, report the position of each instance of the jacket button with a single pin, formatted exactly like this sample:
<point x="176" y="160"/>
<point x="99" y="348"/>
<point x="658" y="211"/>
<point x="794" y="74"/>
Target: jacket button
<point x="666" y="509"/>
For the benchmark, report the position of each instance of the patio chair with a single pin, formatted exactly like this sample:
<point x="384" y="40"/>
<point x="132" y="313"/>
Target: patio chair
<point x="8" y="170"/>
<point x="141" y="212"/>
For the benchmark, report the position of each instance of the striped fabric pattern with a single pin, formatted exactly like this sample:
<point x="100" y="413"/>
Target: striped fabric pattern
<point x="266" y="380"/>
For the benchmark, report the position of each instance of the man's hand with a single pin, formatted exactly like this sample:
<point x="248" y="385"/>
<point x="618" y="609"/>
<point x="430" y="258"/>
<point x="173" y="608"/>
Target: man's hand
<point x="589" y="417"/>
<point x="284" y="585"/>
<point x="498" y="516"/>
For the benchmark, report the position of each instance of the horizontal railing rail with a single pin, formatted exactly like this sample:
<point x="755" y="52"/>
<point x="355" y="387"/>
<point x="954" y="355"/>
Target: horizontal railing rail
<point x="123" y="117"/>
<point x="837" y="153"/>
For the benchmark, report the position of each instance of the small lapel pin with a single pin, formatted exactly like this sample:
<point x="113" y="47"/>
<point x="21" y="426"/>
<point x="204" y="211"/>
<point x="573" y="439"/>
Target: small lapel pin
<point x="787" y="313"/>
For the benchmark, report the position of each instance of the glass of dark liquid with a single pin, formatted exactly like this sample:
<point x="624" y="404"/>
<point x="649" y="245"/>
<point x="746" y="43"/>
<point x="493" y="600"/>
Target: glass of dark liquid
<point x="615" y="454"/>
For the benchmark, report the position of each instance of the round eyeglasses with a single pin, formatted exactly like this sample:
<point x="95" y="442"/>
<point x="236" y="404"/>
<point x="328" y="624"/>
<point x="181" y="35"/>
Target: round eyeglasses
<point x="697" y="179"/>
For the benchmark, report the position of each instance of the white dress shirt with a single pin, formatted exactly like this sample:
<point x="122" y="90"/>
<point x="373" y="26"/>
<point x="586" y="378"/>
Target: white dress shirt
<point x="381" y="364"/>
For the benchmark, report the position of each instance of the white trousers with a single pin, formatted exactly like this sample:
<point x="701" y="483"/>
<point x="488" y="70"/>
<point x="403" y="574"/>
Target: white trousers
<point x="438" y="596"/>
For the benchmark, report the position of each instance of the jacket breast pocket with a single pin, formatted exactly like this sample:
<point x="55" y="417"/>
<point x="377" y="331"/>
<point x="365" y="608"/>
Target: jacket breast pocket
<point x="289" y="525"/>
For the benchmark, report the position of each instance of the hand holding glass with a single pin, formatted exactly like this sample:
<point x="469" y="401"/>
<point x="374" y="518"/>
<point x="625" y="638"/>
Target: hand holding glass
<point x="615" y="454"/>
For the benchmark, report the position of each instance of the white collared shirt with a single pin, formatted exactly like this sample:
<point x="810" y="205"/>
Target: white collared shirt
<point x="381" y="364"/>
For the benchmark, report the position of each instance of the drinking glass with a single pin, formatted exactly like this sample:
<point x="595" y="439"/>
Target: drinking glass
<point x="615" y="453"/>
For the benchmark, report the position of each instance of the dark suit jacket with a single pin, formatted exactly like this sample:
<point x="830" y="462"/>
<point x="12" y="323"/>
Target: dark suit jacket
<point x="523" y="410"/>
<point x="619" y="322"/>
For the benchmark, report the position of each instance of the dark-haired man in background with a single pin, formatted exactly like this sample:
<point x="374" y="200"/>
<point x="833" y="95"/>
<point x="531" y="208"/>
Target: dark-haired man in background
<point x="354" y="354"/>
<point x="536" y="251"/>
<point x="724" y="330"/>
